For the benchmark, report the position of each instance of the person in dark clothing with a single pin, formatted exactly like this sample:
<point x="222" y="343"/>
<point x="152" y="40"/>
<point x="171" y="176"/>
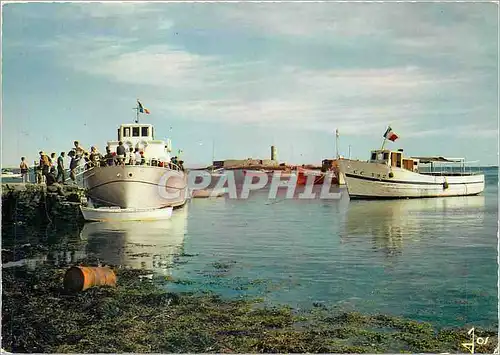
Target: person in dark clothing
<point x="110" y="159"/>
<point x="60" y="168"/>
<point x="120" y="153"/>
<point x="88" y="163"/>
<point x="52" y="184"/>
<point x="24" y="170"/>
<point x="73" y="165"/>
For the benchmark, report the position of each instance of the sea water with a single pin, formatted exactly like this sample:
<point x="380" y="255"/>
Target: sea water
<point x="427" y="259"/>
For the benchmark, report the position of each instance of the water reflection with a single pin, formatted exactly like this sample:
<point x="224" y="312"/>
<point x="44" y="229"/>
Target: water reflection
<point x="150" y="245"/>
<point x="391" y="223"/>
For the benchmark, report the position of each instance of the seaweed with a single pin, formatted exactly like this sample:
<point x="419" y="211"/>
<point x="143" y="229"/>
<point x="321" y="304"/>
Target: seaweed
<point x="139" y="316"/>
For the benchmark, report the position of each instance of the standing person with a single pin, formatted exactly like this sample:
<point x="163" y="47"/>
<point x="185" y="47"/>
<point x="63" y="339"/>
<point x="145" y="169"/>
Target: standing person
<point x="38" y="173"/>
<point x="88" y="163"/>
<point x="24" y="170"/>
<point x="73" y="165"/>
<point x="95" y="157"/>
<point x="131" y="157"/>
<point x="120" y="153"/>
<point x="143" y="158"/>
<point x="44" y="163"/>
<point x="60" y="168"/>
<point x="138" y="156"/>
<point x="110" y="159"/>
<point x="53" y="161"/>
<point x="79" y="151"/>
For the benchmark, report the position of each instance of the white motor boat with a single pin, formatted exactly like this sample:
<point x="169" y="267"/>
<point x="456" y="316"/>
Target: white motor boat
<point x="116" y="214"/>
<point x="390" y="175"/>
<point x="152" y="182"/>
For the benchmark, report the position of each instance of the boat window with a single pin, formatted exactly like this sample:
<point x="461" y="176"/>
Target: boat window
<point x="145" y="132"/>
<point x="374" y="156"/>
<point x="126" y="132"/>
<point x="135" y="131"/>
<point x="386" y="156"/>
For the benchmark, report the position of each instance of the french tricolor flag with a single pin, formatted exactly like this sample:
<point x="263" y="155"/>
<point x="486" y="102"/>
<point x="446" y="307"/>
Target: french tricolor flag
<point x="142" y="109"/>
<point x="390" y="135"/>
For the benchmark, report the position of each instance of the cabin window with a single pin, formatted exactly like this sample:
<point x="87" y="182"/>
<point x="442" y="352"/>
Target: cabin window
<point x="135" y="131"/>
<point x="374" y="156"/>
<point x="386" y="156"/>
<point x="408" y="164"/>
<point x="126" y="132"/>
<point x="396" y="159"/>
<point x="145" y="132"/>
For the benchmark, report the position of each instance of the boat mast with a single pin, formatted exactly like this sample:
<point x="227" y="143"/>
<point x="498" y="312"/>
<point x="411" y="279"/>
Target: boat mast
<point x="137" y="112"/>
<point x="213" y="153"/>
<point x="385" y="139"/>
<point x="337" y="142"/>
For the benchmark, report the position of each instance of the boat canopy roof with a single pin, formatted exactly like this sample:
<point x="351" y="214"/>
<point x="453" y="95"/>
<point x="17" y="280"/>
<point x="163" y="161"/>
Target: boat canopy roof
<point x="427" y="160"/>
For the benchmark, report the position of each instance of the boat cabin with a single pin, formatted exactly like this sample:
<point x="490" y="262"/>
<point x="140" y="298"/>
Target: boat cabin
<point x="141" y="136"/>
<point x="422" y="165"/>
<point x="394" y="158"/>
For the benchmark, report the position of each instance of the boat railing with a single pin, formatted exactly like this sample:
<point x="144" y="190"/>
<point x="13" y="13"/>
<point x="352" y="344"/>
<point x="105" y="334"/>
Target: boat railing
<point x="450" y="169"/>
<point x="145" y="162"/>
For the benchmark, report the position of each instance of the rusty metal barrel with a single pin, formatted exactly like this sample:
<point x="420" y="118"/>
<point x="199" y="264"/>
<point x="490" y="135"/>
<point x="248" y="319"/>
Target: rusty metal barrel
<point x="80" y="278"/>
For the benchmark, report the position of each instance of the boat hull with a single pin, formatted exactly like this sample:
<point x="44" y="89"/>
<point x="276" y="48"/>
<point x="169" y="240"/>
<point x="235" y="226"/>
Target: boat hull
<point x="366" y="180"/>
<point x="122" y="215"/>
<point x="136" y="186"/>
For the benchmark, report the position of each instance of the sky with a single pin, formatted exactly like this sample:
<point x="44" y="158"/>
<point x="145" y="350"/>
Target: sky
<point x="232" y="79"/>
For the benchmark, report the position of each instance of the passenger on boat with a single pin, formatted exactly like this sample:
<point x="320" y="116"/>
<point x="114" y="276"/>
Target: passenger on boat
<point x="138" y="156"/>
<point x="95" y="156"/>
<point x="143" y="158"/>
<point x="109" y="158"/>
<point x="79" y="151"/>
<point x="120" y="154"/>
<point x="88" y="163"/>
<point x="131" y="158"/>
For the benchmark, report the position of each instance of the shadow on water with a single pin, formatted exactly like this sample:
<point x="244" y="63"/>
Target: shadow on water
<point x="150" y="245"/>
<point x="391" y="223"/>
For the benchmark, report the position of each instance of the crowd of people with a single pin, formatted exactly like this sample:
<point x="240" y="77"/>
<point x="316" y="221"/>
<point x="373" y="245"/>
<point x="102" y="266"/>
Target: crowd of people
<point x="52" y="170"/>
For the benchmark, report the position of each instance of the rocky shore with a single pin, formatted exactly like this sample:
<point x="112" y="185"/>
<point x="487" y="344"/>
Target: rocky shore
<point x="142" y="316"/>
<point x="32" y="204"/>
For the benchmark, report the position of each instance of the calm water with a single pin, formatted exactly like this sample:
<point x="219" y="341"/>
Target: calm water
<point x="429" y="259"/>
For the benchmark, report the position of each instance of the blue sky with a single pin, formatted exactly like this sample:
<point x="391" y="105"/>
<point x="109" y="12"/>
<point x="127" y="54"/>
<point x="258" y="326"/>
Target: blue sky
<point x="249" y="75"/>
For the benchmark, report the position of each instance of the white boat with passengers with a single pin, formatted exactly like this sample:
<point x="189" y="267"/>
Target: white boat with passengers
<point x="152" y="182"/>
<point x="388" y="174"/>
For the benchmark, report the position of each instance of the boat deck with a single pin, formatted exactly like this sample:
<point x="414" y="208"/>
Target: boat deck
<point x="445" y="173"/>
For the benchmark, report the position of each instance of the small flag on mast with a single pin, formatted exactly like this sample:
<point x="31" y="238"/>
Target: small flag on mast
<point x="390" y="135"/>
<point x="142" y="109"/>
